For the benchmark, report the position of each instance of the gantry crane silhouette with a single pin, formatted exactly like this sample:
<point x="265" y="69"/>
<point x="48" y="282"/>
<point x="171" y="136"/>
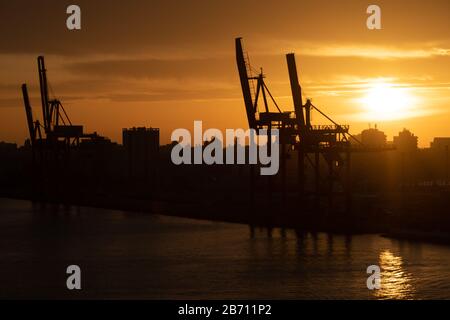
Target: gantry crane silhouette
<point x="53" y="138"/>
<point x="328" y="143"/>
<point x="56" y="131"/>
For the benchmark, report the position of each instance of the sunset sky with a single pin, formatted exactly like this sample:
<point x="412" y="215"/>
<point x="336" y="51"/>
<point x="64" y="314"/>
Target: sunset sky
<point x="167" y="63"/>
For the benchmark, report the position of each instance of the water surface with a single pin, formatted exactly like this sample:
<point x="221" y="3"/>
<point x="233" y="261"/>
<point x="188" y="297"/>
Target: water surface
<point x="133" y="255"/>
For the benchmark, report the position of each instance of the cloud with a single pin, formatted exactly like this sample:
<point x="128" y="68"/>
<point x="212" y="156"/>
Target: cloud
<point x="210" y="68"/>
<point x="170" y="94"/>
<point x="10" y="102"/>
<point x="373" y="52"/>
<point x="409" y="114"/>
<point x="349" y="83"/>
<point x="210" y="26"/>
<point x="358" y="49"/>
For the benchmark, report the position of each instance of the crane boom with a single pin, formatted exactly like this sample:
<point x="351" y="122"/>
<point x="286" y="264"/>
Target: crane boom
<point x="243" y="75"/>
<point x="296" y="90"/>
<point x="44" y="93"/>
<point x="29" y="113"/>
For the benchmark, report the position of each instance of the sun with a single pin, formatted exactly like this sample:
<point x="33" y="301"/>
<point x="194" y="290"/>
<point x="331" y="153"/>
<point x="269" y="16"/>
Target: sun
<point x="385" y="101"/>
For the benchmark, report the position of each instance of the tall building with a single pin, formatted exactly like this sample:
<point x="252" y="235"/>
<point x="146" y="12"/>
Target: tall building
<point x="440" y="148"/>
<point x="440" y="143"/>
<point x="405" y="141"/>
<point x="142" y="147"/>
<point x="373" y="137"/>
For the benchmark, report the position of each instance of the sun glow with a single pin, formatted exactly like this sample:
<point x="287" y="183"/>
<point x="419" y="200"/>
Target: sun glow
<point x="385" y="101"/>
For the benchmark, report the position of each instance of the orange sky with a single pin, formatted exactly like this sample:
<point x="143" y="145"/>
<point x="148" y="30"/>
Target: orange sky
<point x="168" y="63"/>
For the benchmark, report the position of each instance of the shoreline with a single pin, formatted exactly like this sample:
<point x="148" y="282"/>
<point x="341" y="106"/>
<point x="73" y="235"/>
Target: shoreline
<point x="186" y="210"/>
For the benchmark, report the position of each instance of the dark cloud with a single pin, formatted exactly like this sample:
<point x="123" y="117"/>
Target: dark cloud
<point x="172" y="95"/>
<point x="9" y="87"/>
<point x="212" y="68"/>
<point x="113" y="26"/>
<point x="10" y="102"/>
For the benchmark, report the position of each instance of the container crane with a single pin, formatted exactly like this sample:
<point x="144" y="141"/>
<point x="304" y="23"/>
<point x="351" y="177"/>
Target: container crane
<point x="329" y="142"/>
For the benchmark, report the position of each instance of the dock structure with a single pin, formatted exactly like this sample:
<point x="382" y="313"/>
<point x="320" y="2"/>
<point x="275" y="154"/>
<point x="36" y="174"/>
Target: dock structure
<point x="54" y="137"/>
<point x="314" y="144"/>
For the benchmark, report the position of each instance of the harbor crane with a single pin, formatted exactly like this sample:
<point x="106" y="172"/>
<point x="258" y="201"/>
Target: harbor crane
<point x="327" y="143"/>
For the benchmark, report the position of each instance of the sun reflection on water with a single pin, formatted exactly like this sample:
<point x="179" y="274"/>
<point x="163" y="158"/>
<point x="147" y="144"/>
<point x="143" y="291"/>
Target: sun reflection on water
<point x="395" y="281"/>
